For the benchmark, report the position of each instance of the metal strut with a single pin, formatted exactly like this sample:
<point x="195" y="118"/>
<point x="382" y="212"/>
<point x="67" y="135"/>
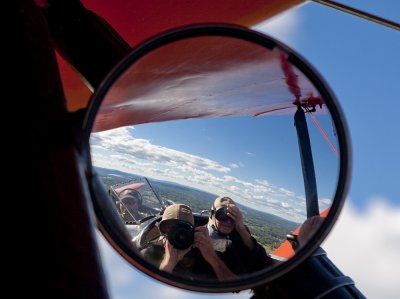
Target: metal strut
<point x="307" y="163"/>
<point x="359" y="13"/>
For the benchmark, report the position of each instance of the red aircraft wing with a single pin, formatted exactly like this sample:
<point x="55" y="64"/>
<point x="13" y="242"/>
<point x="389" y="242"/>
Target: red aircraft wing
<point x="130" y="186"/>
<point x="137" y="21"/>
<point x="205" y="77"/>
<point x="286" y="251"/>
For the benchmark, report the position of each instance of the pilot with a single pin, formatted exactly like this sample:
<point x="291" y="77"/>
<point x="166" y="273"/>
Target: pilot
<point x="130" y="201"/>
<point x="232" y="240"/>
<point x="188" y="249"/>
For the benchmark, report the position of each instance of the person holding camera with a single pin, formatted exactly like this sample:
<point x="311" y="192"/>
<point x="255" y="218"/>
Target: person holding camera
<point x="188" y="250"/>
<point x="232" y="240"/>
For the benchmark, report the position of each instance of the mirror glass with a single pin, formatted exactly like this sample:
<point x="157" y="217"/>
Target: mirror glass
<point x="202" y="117"/>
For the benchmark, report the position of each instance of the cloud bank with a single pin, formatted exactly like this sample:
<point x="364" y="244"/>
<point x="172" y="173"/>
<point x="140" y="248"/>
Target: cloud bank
<point x="119" y="149"/>
<point x="366" y="247"/>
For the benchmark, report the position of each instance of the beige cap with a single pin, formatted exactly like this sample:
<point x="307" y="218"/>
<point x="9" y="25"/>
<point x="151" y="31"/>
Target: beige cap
<point x="176" y="212"/>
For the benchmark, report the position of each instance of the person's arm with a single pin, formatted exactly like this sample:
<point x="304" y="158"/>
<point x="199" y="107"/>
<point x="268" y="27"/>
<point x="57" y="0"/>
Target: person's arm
<point x="220" y="269"/>
<point x="171" y="257"/>
<point x="253" y="254"/>
<point x="203" y="242"/>
<point x="237" y="216"/>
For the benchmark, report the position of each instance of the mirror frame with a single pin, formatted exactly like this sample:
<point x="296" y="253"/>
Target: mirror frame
<point x="107" y="217"/>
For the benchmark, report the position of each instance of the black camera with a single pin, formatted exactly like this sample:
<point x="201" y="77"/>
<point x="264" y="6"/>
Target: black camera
<point x="221" y="214"/>
<point x="181" y="235"/>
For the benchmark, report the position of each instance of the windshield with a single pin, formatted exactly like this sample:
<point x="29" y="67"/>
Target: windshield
<point x="135" y="198"/>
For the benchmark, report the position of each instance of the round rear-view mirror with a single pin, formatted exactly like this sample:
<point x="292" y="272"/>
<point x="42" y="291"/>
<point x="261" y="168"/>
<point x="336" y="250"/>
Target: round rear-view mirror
<point x="209" y="147"/>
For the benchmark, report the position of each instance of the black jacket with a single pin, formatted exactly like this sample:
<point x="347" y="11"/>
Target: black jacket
<point x="240" y="259"/>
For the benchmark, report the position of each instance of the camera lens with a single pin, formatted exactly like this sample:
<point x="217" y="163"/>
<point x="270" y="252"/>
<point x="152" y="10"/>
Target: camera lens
<point x="221" y="214"/>
<point x="181" y="235"/>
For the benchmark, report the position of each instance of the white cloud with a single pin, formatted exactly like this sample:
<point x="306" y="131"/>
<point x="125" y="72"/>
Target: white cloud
<point x="119" y="149"/>
<point x="286" y="192"/>
<point x="366" y="246"/>
<point x="122" y="143"/>
<point x="285" y="205"/>
<point x="263" y="182"/>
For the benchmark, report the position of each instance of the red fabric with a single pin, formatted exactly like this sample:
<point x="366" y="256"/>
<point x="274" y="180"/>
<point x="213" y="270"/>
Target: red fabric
<point x="136" y="21"/>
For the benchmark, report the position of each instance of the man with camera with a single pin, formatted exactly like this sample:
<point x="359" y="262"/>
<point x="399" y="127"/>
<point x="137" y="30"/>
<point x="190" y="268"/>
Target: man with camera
<point x="188" y="250"/>
<point x="221" y="250"/>
<point x="232" y="240"/>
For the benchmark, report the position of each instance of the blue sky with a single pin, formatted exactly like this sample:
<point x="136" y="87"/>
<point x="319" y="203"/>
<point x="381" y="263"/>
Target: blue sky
<point x="360" y="61"/>
<point x="255" y="160"/>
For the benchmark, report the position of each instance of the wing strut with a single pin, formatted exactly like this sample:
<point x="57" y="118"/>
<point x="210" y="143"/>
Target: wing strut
<point x="362" y="14"/>
<point x="307" y="163"/>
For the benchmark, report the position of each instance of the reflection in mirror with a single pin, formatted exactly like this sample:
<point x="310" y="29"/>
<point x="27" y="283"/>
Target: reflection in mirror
<point x="221" y="142"/>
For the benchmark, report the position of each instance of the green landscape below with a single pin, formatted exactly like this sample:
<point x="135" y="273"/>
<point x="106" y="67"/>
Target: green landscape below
<point x="269" y="230"/>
